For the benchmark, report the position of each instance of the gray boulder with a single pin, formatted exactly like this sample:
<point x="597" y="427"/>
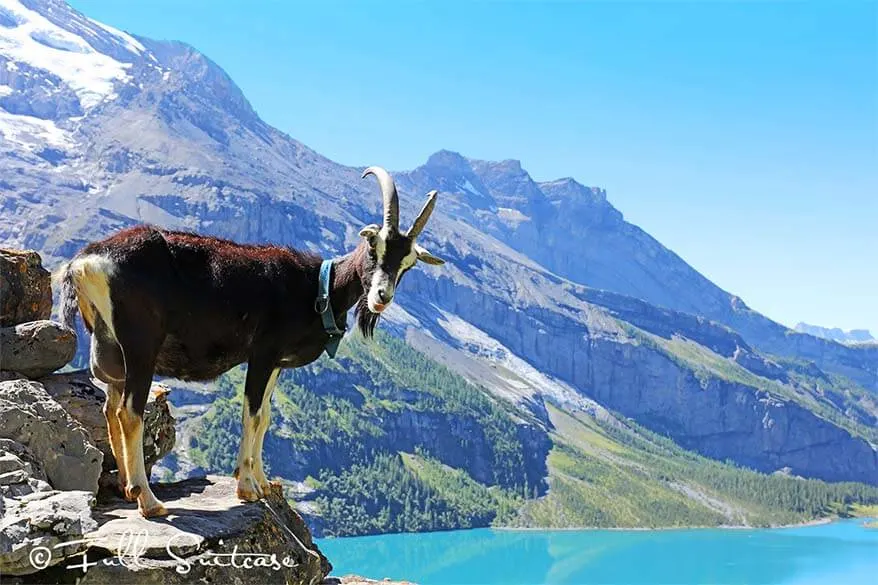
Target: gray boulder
<point x="36" y="531"/>
<point x="29" y="416"/>
<point x="36" y="348"/>
<point x="20" y="472"/>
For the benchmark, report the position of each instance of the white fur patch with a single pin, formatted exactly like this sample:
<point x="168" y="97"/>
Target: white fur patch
<point x="407" y="263"/>
<point x="91" y="277"/>
<point x="380" y="246"/>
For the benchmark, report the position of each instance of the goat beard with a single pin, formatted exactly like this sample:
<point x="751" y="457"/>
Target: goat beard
<point x="366" y="319"/>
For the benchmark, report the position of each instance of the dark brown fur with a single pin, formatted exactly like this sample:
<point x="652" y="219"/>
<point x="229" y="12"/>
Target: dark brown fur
<point x="192" y="307"/>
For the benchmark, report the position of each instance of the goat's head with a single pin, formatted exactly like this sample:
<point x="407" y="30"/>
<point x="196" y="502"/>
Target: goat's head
<point x="391" y="253"/>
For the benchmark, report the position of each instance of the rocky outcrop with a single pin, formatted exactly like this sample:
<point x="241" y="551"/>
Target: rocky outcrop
<point x="49" y="471"/>
<point x="25" y="288"/>
<point x="42" y="529"/>
<point x="30" y="344"/>
<point x="208" y="537"/>
<point x="82" y="398"/>
<point x="30" y="417"/>
<point x="20" y="472"/>
<point x="36" y="348"/>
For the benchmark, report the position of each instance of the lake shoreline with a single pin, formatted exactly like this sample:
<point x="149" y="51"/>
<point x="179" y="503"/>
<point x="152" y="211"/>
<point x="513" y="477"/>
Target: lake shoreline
<point x="815" y="522"/>
<point x="868" y="522"/>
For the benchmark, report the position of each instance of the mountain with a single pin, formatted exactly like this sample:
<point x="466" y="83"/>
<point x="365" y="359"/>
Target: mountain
<point x="551" y="307"/>
<point x="835" y="334"/>
<point x="573" y="231"/>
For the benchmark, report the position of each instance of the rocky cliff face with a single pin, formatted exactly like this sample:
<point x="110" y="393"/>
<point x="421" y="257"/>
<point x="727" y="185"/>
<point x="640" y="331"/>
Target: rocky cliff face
<point x="165" y="136"/>
<point x="702" y="410"/>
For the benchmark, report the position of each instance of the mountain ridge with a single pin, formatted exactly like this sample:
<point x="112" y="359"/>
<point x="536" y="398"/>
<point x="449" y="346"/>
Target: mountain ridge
<point x="851" y="336"/>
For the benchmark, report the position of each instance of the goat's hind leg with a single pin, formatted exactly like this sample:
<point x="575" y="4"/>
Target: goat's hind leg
<point x="248" y="489"/>
<point x="261" y="429"/>
<point x="108" y="365"/>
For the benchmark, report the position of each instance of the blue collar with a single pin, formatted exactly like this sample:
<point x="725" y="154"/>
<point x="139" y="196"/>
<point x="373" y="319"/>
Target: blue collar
<point x="324" y="307"/>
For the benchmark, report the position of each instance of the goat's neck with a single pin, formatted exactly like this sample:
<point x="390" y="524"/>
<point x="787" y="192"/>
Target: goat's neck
<point x="347" y="283"/>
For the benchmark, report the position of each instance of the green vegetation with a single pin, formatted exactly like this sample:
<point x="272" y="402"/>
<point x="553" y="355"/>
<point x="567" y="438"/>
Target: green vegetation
<point x="607" y="476"/>
<point x="408" y="493"/>
<point x="588" y="491"/>
<point x="394" y="439"/>
<point x="864" y="510"/>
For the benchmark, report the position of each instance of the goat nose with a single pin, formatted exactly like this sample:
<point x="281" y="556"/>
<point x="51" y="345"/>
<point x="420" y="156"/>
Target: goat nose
<point x="383" y="296"/>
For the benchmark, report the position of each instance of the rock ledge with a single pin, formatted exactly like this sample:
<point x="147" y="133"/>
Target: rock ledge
<point x="208" y="537"/>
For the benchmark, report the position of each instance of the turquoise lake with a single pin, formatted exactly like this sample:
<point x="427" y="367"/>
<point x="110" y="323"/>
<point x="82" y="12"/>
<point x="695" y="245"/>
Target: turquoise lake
<point x="841" y="553"/>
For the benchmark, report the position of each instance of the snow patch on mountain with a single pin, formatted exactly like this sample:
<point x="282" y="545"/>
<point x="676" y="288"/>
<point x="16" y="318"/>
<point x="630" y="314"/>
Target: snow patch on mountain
<point x="396" y="314"/>
<point x="467" y="186"/>
<point x="511" y="216"/>
<point x="29" y="37"/>
<point x="517" y="373"/>
<point x="32" y="133"/>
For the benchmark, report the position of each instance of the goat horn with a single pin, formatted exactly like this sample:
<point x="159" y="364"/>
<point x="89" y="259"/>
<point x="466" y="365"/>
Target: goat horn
<point x="388" y="192"/>
<point x="423" y="216"/>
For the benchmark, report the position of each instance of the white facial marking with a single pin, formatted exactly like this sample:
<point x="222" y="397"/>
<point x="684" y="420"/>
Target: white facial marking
<point x="380" y="248"/>
<point x="379" y="279"/>
<point x="407" y="263"/>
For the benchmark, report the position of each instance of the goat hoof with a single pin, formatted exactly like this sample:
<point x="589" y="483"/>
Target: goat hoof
<point x="132" y="492"/>
<point x="155" y="511"/>
<point x="247" y="495"/>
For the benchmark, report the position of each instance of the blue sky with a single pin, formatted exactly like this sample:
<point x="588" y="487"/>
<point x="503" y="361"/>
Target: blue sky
<point x="742" y="135"/>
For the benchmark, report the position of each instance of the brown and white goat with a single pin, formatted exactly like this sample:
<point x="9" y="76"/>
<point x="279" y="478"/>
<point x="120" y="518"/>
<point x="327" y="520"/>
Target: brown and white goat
<point x="192" y="307"/>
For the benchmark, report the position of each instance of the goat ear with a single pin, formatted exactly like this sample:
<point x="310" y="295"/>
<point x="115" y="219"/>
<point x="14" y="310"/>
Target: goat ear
<point x="370" y="231"/>
<point x="425" y="256"/>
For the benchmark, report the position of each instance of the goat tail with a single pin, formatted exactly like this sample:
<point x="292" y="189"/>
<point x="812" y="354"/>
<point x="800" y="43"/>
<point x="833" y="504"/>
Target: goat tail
<point x="67" y="296"/>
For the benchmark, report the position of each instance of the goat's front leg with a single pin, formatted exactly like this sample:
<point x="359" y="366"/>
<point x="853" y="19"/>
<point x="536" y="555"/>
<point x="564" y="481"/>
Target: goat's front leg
<point x="137" y="486"/>
<point x="130" y="416"/>
<point x="260" y="380"/>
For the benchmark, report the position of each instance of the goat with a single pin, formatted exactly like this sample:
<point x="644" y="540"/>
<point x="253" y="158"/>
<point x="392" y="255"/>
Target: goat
<point x="192" y="307"/>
